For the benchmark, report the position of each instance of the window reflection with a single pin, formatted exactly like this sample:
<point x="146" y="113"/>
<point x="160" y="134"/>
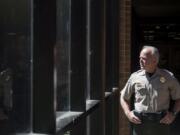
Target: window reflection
<point x="5" y="93"/>
<point x="62" y="56"/>
<point x="61" y="77"/>
<point x="14" y="83"/>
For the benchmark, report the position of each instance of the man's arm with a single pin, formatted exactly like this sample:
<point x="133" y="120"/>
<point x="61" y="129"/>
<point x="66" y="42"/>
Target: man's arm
<point x="177" y="106"/>
<point x="170" y="116"/>
<point x="126" y="108"/>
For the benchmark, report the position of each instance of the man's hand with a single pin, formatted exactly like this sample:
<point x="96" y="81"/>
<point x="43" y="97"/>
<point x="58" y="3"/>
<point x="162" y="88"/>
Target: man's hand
<point x="168" y="118"/>
<point x="134" y="119"/>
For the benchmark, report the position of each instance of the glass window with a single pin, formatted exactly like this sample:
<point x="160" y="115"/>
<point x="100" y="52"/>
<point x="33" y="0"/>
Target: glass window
<point x="15" y="67"/>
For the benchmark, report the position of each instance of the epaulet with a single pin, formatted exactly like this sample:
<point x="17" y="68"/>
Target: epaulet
<point x="137" y="72"/>
<point x="167" y="72"/>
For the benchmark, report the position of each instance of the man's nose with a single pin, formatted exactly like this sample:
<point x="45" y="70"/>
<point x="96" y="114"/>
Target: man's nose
<point x="141" y="60"/>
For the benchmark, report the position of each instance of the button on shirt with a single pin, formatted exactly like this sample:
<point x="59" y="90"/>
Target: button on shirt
<point x="152" y="94"/>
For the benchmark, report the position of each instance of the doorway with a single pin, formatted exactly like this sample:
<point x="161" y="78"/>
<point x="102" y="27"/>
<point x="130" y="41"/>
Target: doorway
<point x="166" y="37"/>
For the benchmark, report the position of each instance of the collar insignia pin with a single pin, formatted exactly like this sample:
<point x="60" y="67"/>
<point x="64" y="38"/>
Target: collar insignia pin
<point x="162" y="80"/>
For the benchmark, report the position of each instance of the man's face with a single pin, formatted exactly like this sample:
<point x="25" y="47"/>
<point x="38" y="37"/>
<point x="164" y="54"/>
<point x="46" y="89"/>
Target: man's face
<point x="146" y="60"/>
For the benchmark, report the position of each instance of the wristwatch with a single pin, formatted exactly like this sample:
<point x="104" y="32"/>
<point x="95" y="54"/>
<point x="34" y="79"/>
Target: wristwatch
<point x="174" y="113"/>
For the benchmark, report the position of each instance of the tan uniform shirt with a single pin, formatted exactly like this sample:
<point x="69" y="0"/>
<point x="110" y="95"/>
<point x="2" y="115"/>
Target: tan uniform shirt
<point x="152" y="94"/>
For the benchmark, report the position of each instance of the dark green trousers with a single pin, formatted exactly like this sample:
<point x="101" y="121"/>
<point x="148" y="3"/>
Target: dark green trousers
<point x="149" y="127"/>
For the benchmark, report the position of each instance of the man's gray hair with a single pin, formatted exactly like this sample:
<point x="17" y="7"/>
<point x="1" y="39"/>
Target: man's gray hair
<point x="154" y="51"/>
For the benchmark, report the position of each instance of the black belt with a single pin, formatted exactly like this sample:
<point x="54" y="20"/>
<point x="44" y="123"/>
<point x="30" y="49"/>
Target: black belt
<point x="157" y="116"/>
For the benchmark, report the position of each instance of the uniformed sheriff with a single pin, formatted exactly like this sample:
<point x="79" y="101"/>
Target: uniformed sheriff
<point x="152" y="89"/>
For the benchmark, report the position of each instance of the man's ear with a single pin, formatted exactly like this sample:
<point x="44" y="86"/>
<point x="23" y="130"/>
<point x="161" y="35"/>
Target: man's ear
<point x="155" y="60"/>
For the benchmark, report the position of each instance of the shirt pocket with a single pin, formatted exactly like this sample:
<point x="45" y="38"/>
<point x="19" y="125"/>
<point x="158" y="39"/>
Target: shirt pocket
<point x="140" y="90"/>
<point x="163" y="92"/>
